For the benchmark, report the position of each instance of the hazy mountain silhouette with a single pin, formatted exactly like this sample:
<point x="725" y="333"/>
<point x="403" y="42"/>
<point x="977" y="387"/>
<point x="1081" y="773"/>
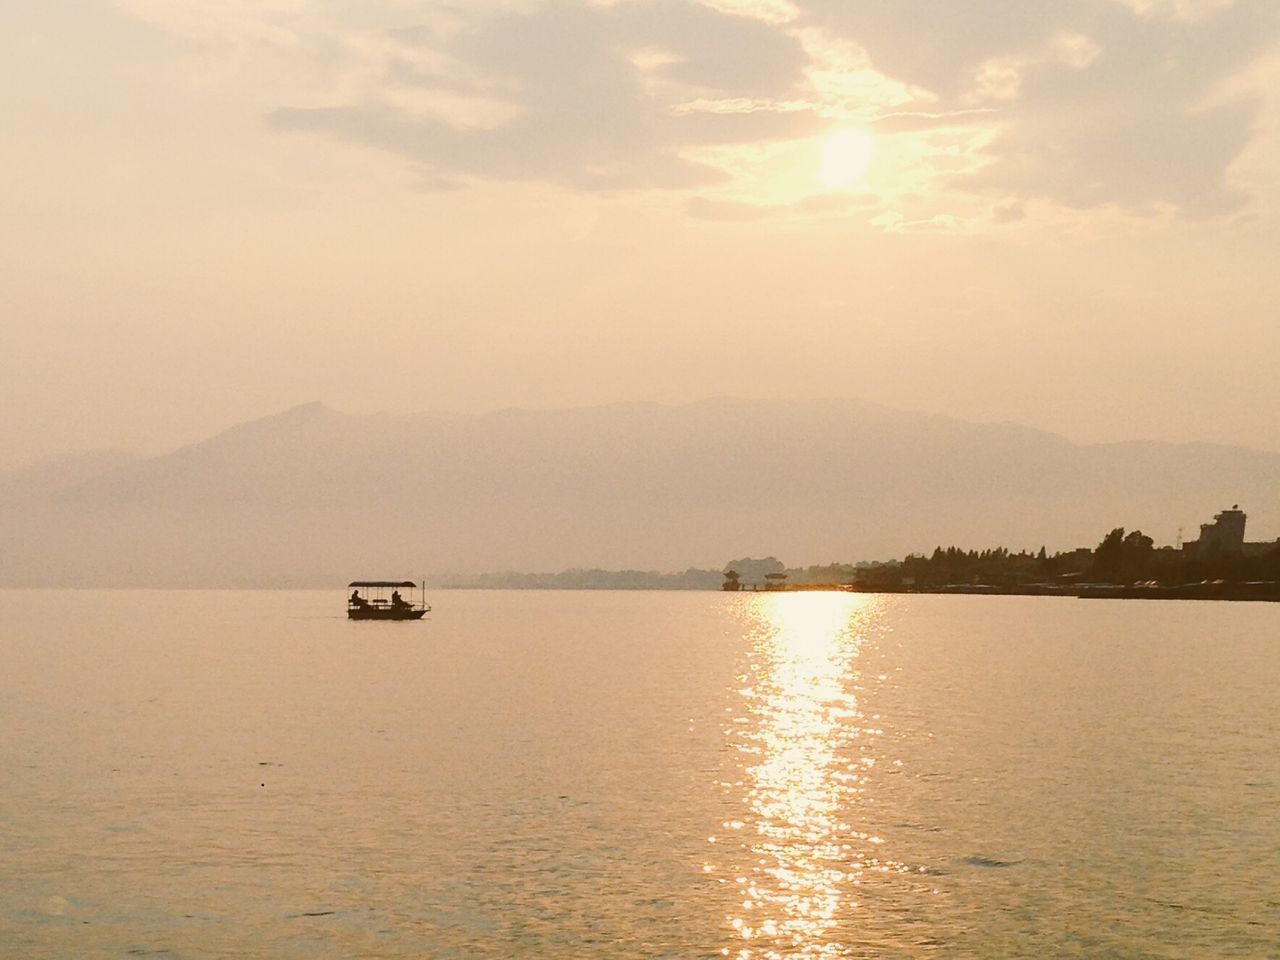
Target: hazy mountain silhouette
<point x="40" y="479"/>
<point x="313" y="496"/>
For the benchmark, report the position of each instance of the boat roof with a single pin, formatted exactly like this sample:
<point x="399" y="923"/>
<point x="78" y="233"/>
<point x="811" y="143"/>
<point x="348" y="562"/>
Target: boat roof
<point x="381" y="583"/>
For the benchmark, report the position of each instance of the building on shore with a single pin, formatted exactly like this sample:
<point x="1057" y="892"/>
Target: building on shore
<point x="750" y="573"/>
<point x="1225" y="535"/>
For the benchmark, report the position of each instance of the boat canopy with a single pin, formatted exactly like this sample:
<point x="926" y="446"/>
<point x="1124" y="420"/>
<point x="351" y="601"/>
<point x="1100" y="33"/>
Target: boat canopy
<point x="381" y="583"/>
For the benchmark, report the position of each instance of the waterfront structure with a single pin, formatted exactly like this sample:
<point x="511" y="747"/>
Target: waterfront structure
<point x="754" y="574"/>
<point x="1225" y="535"/>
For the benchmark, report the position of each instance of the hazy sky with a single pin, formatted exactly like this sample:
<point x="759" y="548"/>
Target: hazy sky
<point x="1061" y="213"/>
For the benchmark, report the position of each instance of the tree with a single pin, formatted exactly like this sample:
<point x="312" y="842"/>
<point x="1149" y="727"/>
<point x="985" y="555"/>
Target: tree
<point x="1122" y="559"/>
<point x="1135" y="559"/>
<point x="1109" y="556"/>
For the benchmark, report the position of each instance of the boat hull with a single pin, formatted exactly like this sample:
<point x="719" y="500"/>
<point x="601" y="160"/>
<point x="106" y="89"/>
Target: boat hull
<point x="374" y="613"/>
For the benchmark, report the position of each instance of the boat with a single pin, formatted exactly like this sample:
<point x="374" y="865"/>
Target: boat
<point x="376" y="605"/>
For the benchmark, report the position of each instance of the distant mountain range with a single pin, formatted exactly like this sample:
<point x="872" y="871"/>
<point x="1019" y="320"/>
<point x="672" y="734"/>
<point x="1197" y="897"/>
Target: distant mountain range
<point x="313" y="496"/>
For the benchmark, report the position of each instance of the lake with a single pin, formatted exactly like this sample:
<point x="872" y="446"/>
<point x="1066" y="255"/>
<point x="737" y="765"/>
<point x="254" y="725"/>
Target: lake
<point x="547" y="774"/>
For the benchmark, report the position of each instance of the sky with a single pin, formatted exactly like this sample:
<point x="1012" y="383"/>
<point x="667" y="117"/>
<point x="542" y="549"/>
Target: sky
<point x="1061" y="214"/>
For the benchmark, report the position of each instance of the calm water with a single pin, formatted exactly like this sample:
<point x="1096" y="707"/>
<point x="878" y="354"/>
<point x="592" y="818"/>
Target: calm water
<point x="638" y="775"/>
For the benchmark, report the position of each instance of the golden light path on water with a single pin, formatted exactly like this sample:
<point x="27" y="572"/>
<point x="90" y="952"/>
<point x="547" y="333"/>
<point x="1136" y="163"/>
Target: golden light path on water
<point x="803" y="751"/>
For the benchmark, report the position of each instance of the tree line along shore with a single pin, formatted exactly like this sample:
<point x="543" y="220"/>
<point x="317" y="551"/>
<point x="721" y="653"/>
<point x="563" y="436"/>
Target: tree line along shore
<point x="1220" y="564"/>
<point x="1123" y="565"/>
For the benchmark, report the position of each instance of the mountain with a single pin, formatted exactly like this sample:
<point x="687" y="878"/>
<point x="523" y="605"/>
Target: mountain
<point x="314" y="496"/>
<point x="40" y="479"/>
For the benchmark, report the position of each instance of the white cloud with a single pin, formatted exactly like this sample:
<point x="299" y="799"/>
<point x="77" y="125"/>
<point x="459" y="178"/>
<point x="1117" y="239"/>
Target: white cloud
<point x="844" y="80"/>
<point x="233" y="22"/>
<point x="609" y="95"/>
<point x="892" y="221"/>
<point x="999" y="78"/>
<point x="740" y="105"/>
<point x="1188" y="10"/>
<point x="653" y="58"/>
<point x="767" y="11"/>
<point x="464" y="112"/>
<point x="1075" y="50"/>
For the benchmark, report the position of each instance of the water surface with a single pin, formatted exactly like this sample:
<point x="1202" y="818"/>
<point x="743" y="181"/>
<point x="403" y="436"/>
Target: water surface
<point x="248" y="774"/>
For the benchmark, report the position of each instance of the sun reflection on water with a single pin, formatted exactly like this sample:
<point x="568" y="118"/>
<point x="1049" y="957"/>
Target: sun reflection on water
<point x="804" y="752"/>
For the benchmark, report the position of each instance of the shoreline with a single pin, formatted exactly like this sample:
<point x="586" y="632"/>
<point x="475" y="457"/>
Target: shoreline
<point x="1240" y="592"/>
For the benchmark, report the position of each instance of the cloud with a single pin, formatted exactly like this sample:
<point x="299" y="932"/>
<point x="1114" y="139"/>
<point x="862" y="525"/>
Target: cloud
<point x="769" y="11"/>
<point x="893" y="221"/>
<point x="1100" y="102"/>
<point x="236" y="23"/>
<point x="818" y="204"/>
<point x="1009" y="213"/>
<point x="841" y="75"/>
<point x="1075" y="50"/>
<point x="999" y="78"/>
<point x="1119" y="103"/>
<point x="703" y="208"/>
<point x="911" y="121"/>
<point x="525" y="149"/>
<point x="588" y="96"/>
<point x="1190" y="10"/>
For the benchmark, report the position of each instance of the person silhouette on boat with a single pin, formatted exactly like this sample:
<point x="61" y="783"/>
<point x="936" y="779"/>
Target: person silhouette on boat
<point x="357" y="600"/>
<point x="398" y="601"/>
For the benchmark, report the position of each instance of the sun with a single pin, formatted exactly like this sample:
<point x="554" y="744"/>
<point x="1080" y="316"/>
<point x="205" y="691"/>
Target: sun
<point x="846" y="157"/>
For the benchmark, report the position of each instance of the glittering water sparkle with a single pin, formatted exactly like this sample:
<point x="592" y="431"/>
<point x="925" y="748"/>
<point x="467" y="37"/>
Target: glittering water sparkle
<point x="803" y="747"/>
